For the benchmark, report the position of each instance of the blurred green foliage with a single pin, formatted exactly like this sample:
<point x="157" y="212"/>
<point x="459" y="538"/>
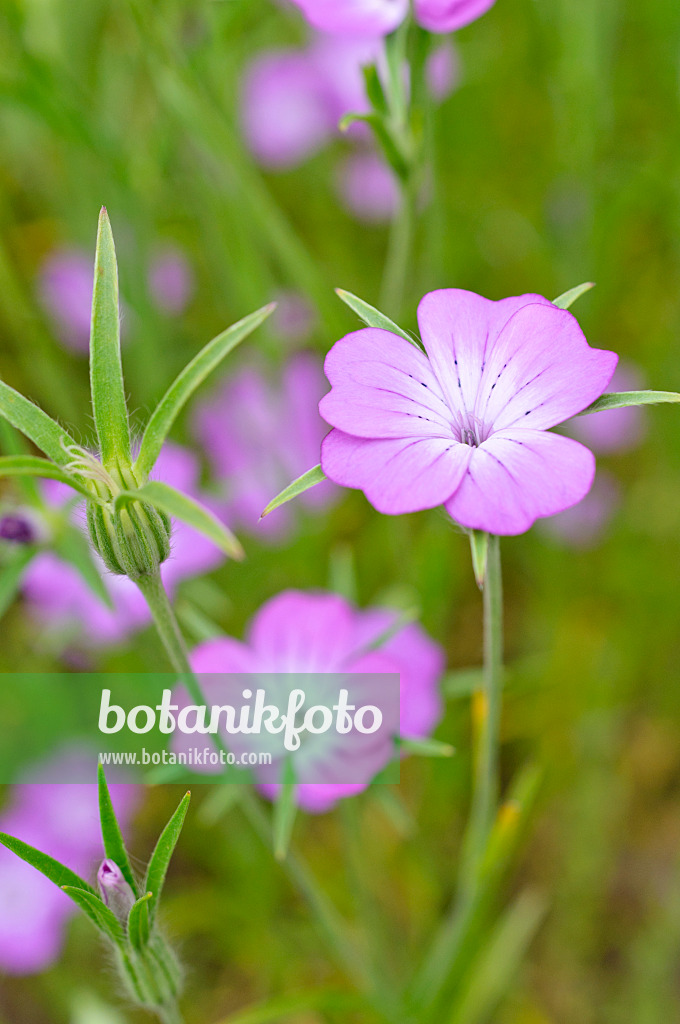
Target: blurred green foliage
<point x="557" y="161"/>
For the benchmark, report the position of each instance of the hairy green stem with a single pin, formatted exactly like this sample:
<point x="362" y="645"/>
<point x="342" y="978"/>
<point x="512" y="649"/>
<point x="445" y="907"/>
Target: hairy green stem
<point x="486" y="722"/>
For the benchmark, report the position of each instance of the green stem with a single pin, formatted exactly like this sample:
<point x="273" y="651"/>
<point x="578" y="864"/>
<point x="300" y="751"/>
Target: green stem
<point x="398" y="254"/>
<point x="486" y="722"/>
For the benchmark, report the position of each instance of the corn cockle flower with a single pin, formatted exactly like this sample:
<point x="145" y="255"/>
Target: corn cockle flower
<point x="316" y="632"/>
<point x="355" y="17"/>
<point x="465" y="424"/>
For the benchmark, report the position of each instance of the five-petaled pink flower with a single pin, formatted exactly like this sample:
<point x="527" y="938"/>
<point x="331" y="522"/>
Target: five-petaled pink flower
<point x="466" y="423"/>
<point x="379" y="17"/>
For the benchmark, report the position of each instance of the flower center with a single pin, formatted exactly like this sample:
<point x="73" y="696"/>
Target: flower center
<point x="468" y="436"/>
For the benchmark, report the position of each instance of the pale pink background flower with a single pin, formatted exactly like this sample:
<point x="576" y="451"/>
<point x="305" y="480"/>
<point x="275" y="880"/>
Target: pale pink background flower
<point x="368" y="187"/>
<point x="381" y="17"/>
<point x="171" y="280"/>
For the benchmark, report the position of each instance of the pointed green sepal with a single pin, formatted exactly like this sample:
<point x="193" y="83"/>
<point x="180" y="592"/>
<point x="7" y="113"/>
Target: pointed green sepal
<point x="303" y="483"/>
<point x="34" y="466"/>
<point x="191" y="377"/>
<point x="624" y="399"/>
<point x="372" y="317"/>
<point x="173" y="503"/>
<point x="46" y="865"/>
<point x="426" y="747"/>
<point x="138" y="922"/>
<point x="98" y="912"/>
<point x="160" y="858"/>
<point x="479" y="547"/>
<point x="36" y="425"/>
<point x="569" y="298"/>
<point x="114" y="844"/>
<point x="106" y="371"/>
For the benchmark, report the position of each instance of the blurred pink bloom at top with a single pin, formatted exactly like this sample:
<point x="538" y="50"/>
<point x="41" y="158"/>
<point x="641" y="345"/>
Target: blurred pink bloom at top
<point x="58" y="596"/>
<point x="466" y="423"/>
<point x="260" y="436"/>
<point x="380" y="17"/>
<point x="615" y="430"/>
<point x="171" y="280"/>
<point x="368" y="187"/>
<point x="583" y="525"/>
<point x="65" y="286"/>
<point x="62" y="820"/>
<point x="316" y="632"/>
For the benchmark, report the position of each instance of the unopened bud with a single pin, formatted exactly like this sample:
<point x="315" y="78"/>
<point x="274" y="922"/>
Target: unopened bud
<point x="132" y="541"/>
<point x="116" y="893"/>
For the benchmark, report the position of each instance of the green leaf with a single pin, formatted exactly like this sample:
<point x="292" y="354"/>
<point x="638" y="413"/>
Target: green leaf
<point x="384" y="137"/>
<point x="478" y="998"/>
<point x="36" y="425"/>
<point x="72" y="545"/>
<point x="569" y="298"/>
<point x="181" y="390"/>
<point x="372" y="317"/>
<point x="462" y="682"/>
<point x="33" y="465"/>
<point x="48" y="866"/>
<point x="303" y="483"/>
<point x="11" y="574"/>
<point x="374" y="89"/>
<point x="427" y="748"/>
<point x="106" y="371"/>
<point x="180" y="506"/>
<point x="479" y="546"/>
<point x="114" y="844"/>
<point x="98" y="912"/>
<point x="285" y="811"/>
<point x="623" y="399"/>
<point x="160" y="858"/>
<point x="138" y="921"/>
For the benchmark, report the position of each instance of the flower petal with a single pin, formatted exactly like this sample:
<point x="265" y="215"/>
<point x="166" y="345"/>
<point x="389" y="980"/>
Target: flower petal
<point x="459" y="330"/>
<point x="518" y="476"/>
<point x="541" y="371"/>
<point x="450" y="15"/>
<point x="302" y="632"/>
<point x="354" y="17"/>
<point x="397" y="475"/>
<point x="383" y="387"/>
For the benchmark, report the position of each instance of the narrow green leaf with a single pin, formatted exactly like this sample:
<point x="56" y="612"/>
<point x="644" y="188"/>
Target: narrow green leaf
<point x="427" y="748"/>
<point x="374" y="89"/>
<point x="72" y="545"/>
<point x="181" y="390"/>
<point x="138" y="921"/>
<point x="98" y="912"/>
<point x="285" y="811"/>
<point x="462" y="682"/>
<point x="479" y="546"/>
<point x="384" y="137"/>
<point x="303" y="483"/>
<point x="372" y="317"/>
<point x="34" y="466"/>
<point x="114" y="844"/>
<point x="160" y="858"/>
<point x="180" y="506"/>
<point x="36" y="425"/>
<point x="623" y="399"/>
<point x="11" y="574"/>
<point x="48" y="866"/>
<point x="106" y="371"/>
<point x="569" y="298"/>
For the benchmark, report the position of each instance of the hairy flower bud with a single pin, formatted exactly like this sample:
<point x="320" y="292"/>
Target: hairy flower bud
<point x="116" y="893"/>
<point x="133" y="541"/>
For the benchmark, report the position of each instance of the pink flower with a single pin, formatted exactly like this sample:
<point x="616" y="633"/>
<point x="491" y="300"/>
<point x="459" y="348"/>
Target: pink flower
<point x="171" y="280"/>
<point x="62" y="820"/>
<point x="260" y="436"/>
<point x="298" y="632"/>
<point x="65" y="287"/>
<point x="465" y="423"/>
<point x="380" y="17"/>
<point x="58" y="596"/>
